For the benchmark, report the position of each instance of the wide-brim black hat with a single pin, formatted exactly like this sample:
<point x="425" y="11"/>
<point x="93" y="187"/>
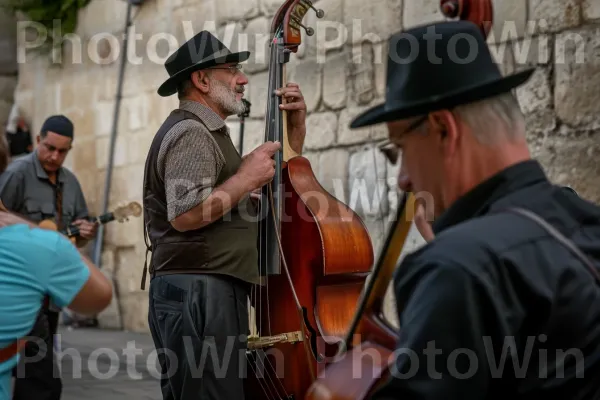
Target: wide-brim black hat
<point x="437" y="66"/>
<point x="202" y="51"/>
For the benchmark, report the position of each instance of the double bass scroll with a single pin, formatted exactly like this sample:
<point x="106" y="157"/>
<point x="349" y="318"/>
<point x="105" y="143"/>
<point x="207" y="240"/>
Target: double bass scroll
<point x="314" y="251"/>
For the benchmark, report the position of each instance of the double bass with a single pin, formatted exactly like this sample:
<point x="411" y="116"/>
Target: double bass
<point x="314" y="251"/>
<point x="365" y="357"/>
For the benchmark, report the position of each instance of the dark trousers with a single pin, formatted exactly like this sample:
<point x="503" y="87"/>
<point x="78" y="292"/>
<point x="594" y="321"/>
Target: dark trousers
<point x="199" y="324"/>
<point x="37" y="375"/>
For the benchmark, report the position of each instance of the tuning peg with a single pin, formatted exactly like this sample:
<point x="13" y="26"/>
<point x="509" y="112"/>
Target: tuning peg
<point x="320" y="13"/>
<point x="309" y="31"/>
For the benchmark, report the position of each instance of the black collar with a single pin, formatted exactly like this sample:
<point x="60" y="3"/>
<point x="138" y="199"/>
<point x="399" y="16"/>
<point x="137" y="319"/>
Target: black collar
<point x="478" y="200"/>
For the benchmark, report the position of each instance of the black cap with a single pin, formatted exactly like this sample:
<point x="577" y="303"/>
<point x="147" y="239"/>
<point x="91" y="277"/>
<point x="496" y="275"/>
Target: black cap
<point x="58" y="124"/>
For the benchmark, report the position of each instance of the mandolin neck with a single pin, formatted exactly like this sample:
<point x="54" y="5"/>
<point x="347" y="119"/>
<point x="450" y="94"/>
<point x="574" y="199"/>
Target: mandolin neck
<point x="367" y="319"/>
<point x="73" y="230"/>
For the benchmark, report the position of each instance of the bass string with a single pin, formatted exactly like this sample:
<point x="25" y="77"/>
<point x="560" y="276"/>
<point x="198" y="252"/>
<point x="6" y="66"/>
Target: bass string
<point x="264" y="227"/>
<point x="269" y="387"/>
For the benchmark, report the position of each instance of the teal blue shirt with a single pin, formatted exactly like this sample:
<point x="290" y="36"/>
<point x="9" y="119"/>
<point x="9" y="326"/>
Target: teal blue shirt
<point x="33" y="263"/>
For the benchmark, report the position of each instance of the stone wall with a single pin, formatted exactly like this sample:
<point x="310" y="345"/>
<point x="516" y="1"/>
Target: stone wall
<point x="8" y="65"/>
<point x="340" y="71"/>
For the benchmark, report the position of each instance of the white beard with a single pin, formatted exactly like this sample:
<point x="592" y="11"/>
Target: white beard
<point x="224" y="97"/>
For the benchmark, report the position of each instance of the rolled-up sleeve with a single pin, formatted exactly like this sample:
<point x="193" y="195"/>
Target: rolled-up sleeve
<point x="441" y="352"/>
<point x="190" y="161"/>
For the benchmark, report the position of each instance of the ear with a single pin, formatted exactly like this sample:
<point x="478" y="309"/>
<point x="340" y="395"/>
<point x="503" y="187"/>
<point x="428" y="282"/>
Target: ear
<point x="38" y="138"/>
<point x="200" y="81"/>
<point x="445" y="126"/>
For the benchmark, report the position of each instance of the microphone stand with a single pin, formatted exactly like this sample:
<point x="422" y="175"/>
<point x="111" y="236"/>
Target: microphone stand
<point x="243" y="117"/>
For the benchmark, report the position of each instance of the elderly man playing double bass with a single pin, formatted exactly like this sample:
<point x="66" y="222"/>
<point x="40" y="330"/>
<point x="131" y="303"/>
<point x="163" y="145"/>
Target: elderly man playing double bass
<point x="500" y="303"/>
<point x="199" y="219"/>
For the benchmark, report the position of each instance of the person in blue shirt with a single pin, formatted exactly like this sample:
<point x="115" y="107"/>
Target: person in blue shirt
<point x="35" y="262"/>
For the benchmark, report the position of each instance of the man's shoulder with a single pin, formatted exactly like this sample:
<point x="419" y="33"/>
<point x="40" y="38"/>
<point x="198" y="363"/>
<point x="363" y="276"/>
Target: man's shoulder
<point x="188" y="136"/>
<point x="20" y="165"/>
<point x="491" y="232"/>
<point x="22" y="238"/>
<point x="186" y="128"/>
<point x="475" y="247"/>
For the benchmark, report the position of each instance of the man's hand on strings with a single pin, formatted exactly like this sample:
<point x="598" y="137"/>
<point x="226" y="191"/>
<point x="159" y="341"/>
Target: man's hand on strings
<point x="293" y="103"/>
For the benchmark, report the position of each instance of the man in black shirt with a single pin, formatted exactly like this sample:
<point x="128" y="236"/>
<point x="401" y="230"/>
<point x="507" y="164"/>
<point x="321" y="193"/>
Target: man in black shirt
<point x="19" y="141"/>
<point x="495" y="305"/>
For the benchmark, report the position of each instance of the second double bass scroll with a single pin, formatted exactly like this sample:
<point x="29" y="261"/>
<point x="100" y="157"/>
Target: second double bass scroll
<point x="314" y="251"/>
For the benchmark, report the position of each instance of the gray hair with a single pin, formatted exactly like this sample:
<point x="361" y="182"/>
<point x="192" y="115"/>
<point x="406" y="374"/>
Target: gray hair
<point x="494" y="119"/>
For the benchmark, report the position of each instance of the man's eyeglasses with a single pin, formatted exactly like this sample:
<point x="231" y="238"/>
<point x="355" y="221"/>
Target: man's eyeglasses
<point x="390" y="150"/>
<point x="232" y="68"/>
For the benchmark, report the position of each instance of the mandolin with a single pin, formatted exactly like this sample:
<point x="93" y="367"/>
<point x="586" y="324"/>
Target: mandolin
<point x="119" y="214"/>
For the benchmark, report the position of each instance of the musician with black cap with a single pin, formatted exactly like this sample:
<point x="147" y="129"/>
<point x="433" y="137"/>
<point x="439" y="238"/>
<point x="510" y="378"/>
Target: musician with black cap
<point x="504" y="299"/>
<point x="38" y="187"/>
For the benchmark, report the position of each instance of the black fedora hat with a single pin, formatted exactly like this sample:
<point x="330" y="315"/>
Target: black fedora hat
<point x="437" y="66"/>
<point x="202" y="51"/>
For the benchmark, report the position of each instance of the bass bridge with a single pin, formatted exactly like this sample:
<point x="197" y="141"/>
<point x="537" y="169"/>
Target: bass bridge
<point x="256" y="342"/>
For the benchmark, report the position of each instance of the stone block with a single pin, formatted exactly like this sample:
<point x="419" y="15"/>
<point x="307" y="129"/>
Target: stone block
<point x="554" y="15"/>
<point x="8" y="85"/>
<point x="134" y="113"/>
<point x="503" y="56"/>
<point x="334" y="80"/>
<point x="269" y="7"/>
<point x="234" y="10"/>
<point x="120" y="155"/>
<point x="376" y="228"/>
<point x="257" y="94"/>
<point x="332" y="172"/>
<point x="84" y="154"/>
<point x="134" y="307"/>
<point x="577" y="68"/>
<point x="308" y="75"/>
<point x="110" y="317"/>
<point x="535" y="98"/>
<point x="314" y="159"/>
<point x="380" y="54"/>
<point x="347" y="136"/>
<point x="331" y="33"/>
<point x="361" y="75"/>
<point x="107" y="262"/>
<point x="255" y="38"/>
<point x="367" y="183"/>
<point x="372" y="21"/>
<point x="321" y="129"/>
<point x="509" y="21"/>
<point x="572" y="159"/>
<point x="101" y="16"/>
<point x="234" y="130"/>
<point x="254" y="135"/>
<point x="418" y="13"/>
<point x="591" y="10"/>
<point x="138" y="145"/>
<point x="129" y="263"/>
<point x="532" y="51"/>
<point x="192" y="18"/>
<point x="103" y="118"/>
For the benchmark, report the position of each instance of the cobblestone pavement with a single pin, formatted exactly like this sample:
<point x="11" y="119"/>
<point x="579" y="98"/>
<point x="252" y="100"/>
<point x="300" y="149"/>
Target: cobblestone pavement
<point x="112" y="365"/>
